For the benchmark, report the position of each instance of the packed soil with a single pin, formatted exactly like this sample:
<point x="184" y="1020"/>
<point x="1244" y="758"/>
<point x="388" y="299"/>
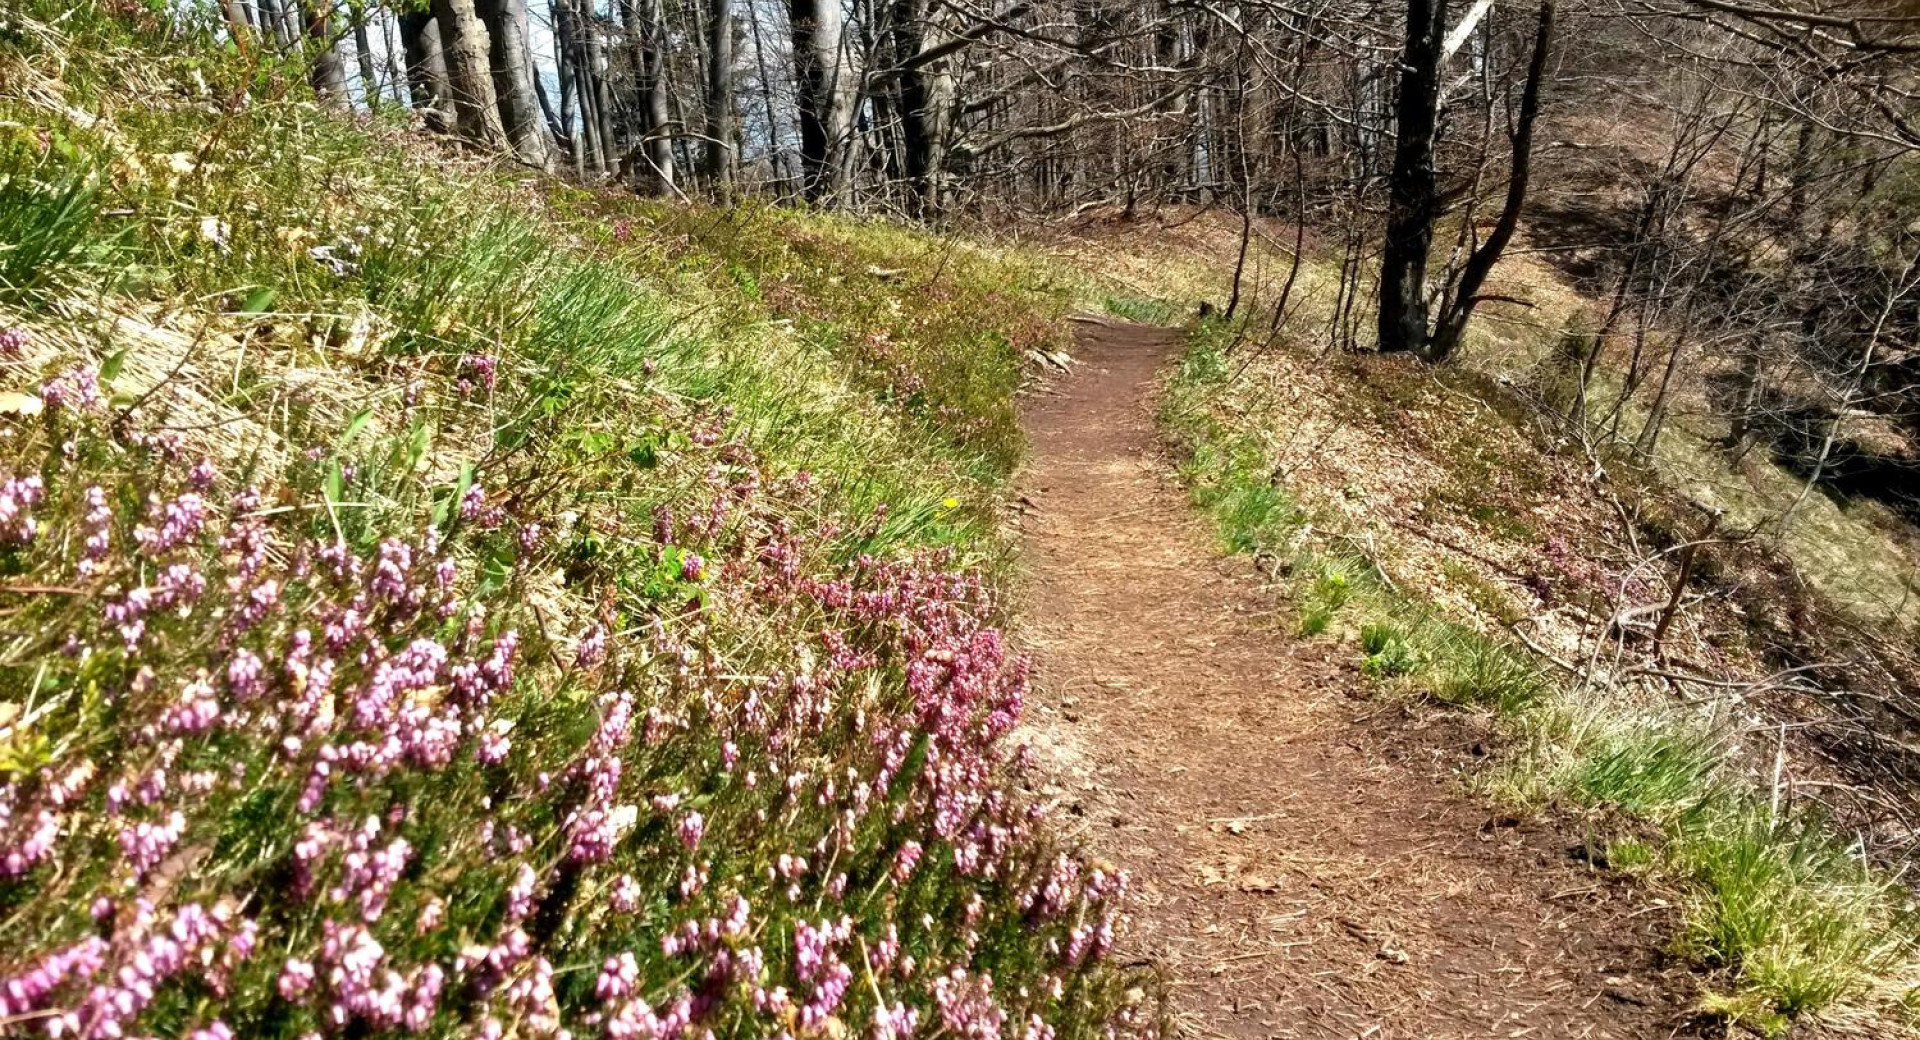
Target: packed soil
<point x="1304" y="859"/>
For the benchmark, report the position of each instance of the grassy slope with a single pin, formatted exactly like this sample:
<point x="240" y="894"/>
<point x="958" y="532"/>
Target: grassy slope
<point x="1422" y="520"/>
<point x="474" y="605"/>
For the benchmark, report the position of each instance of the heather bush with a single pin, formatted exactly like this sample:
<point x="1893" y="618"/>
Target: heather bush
<point x="264" y="776"/>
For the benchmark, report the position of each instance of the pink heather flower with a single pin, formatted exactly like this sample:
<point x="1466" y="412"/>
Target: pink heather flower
<point x="592" y="649"/>
<point x="431" y="914"/>
<point x="895" y="1023"/>
<point x="692" y="567"/>
<point x="425" y="998"/>
<point x="76" y="388"/>
<point x="13" y="344"/>
<point x="97" y="522"/>
<point x="692" y="881"/>
<point x="905" y="860"/>
<point x="819" y="968"/>
<point x="196" y="710"/>
<point x="594" y="832"/>
<point x="478" y="368"/>
<point x="692" y="827"/>
<point x="30" y="990"/>
<point x="203" y="475"/>
<point x="493" y="747"/>
<point x="618" y="977"/>
<point x="392" y="579"/>
<point x="146" y="844"/>
<point x="172" y="523"/>
<point x="18" y="497"/>
<point x="246" y="674"/>
<point x="967" y="1007"/>
<point x="521" y="892"/>
<point x="130" y="615"/>
<point x="296" y="977"/>
<point x="33" y="848"/>
<point x="626" y="895"/>
<point x="179" y="587"/>
<point x="473" y="503"/>
<point x="735" y="926"/>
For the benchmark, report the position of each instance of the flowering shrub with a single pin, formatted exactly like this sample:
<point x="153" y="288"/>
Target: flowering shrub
<point x="263" y="773"/>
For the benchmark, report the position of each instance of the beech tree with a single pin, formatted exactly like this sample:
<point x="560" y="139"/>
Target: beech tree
<point x="513" y="76"/>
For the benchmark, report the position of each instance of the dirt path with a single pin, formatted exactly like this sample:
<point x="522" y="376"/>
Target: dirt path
<point x="1303" y="865"/>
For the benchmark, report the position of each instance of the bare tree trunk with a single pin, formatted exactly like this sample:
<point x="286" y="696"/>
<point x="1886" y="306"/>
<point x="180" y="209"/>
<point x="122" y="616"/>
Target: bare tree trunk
<point x="647" y="36"/>
<point x="274" y="21"/>
<point x="595" y="86"/>
<point x="513" y="73"/>
<point x="719" y="158"/>
<point x="328" y="76"/>
<point x="1412" y="201"/>
<point x="824" y="84"/>
<point x="426" y="69"/>
<point x="237" y="22"/>
<point x="363" y="56"/>
<point x="1453" y="323"/>
<point x="463" y="39"/>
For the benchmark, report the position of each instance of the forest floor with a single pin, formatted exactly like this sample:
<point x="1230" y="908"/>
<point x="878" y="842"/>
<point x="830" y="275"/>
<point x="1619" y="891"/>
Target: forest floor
<point x="1303" y="860"/>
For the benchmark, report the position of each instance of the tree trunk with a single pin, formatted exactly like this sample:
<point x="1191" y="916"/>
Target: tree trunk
<point x="719" y="158"/>
<point x="926" y="103"/>
<point x="646" y="32"/>
<point x="273" y="22"/>
<point x="1453" y="323"/>
<point x="513" y="73"/>
<point x="597" y="69"/>
<point x="238" y="23"/>
<point x="363" y="55"/>
<point x="1411" y="199"/>
<point x="328" y="76"/>
<point x="823" y="83"/>
<point x="426" y="69"/>
<point x="463" y="39"/>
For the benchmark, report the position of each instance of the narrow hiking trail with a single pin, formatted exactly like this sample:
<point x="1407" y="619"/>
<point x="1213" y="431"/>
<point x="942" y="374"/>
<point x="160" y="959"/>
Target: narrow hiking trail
<point x="1303" y="863"/>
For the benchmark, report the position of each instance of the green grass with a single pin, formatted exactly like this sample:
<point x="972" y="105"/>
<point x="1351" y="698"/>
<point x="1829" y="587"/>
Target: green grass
<point x="1146" y="310"/>
<point x="1387" y="649"/>
<point x="48" y="211"/>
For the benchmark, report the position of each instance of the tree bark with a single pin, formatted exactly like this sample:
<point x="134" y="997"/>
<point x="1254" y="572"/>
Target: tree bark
<point x="238" y="23"/>
<point x="1466" y="295"/>
<point x="328" y="76"/>
<point x="1411" y="197"/>
<point x="363" y="56"/>
<point x="719" y="157"/>
<point x="926" y="103"/>
<point x="647" y="35"/>
<point x="823" y="83"/>
<point x="426" y="69"/>
<point x="463" y="39"/>
<point x="513" y="73"/>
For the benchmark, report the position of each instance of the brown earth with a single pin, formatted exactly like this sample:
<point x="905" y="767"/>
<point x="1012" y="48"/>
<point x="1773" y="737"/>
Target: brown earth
<point x="1304" y="862"/>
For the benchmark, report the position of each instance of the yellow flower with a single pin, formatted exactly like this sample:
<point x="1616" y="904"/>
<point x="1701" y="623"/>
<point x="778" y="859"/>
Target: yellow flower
<point x="951" y="503"/>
